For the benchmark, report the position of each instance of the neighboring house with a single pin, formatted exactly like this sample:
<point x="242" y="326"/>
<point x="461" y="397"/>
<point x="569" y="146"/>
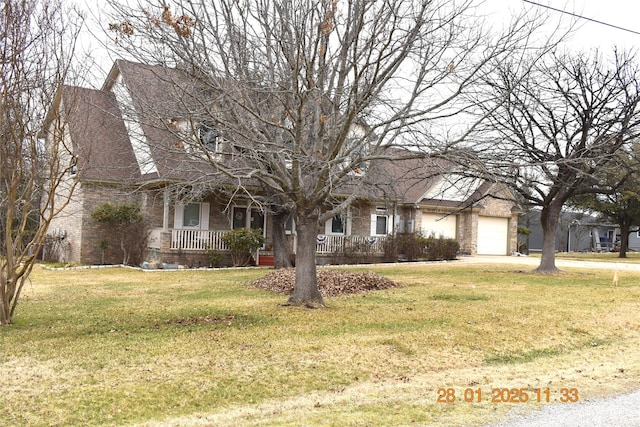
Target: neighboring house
<point x="634" y="240"/>
<point x="577" y="232"/>
<point x="122" y="158"/>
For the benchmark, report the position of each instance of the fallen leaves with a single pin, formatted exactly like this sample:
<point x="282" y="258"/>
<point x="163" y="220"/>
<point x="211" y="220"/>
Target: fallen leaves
<point x="331" y="283"/>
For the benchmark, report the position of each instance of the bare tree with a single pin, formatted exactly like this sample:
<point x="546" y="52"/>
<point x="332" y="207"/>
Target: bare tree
<point x="38" y="39"/>
<point x="310" y="93"/>
<point x="559" y="120"/>
<point x="621" y="203"/>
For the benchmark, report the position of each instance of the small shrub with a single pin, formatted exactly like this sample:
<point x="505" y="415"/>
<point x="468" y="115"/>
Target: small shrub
<point x="103" y="245"/>
<point x="440" y="248"/>
<point x="409" y="246"/>
<point x="390" y="249"/>
<point x="127" y="224"/>
<point x="214" y="257"/>
<point x="242" y="243"/>
<point x="523" y="237"/>
<point x="414" y="246"/>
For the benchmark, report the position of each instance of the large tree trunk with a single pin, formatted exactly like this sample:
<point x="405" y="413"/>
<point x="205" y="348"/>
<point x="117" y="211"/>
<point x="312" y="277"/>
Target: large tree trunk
<point x="549" y="219"/>
<point x="281" y="256"/>
<point x="305" y="291"/>
<point x="625" y="230"/>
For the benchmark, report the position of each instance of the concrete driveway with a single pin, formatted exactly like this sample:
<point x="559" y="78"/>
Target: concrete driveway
<point x="560" y="263"/>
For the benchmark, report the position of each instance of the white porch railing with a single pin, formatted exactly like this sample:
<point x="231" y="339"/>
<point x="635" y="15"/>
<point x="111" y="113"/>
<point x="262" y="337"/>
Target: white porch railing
<point x="328" y="244"/>
<point x="197" y="240"/>
<point x="201" y="240"/>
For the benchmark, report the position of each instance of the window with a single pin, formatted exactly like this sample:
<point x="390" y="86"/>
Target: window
<point x="359" y="167"/>
<point x="73" y="167"/>
<point x="337" y="225"/>
<point x="209" y="136"/>
<point x="357" y="151"/>
<point x="381" y="225"/>
<point x="191" y="215"/>
<point x="256" y="220"/>
<point x="289" y="225"/>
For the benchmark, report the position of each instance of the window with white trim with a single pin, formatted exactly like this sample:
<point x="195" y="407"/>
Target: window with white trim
<point x="73" y="166"/>
<point x="191" y="216"/>
<point x="381" y="225"/>
<point x="335" y="225"/>
<point x="193" y="137"/>
<point x="289" y="225"/>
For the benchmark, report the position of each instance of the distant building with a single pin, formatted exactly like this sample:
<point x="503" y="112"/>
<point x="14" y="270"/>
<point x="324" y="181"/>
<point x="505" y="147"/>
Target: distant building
<point x="577" y="232"/>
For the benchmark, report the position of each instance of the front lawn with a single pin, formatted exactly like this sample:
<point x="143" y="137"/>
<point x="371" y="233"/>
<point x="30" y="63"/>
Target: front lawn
<point x="121" y="347"/>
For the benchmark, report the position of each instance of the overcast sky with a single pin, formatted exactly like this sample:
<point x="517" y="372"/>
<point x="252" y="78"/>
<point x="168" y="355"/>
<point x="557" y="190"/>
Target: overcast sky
<point x="620" y="13"/>
<point x="589" y="35"/>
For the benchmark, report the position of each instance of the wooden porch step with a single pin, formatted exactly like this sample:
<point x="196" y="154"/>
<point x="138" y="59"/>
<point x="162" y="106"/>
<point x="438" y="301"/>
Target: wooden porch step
<point x="266" y="260"/>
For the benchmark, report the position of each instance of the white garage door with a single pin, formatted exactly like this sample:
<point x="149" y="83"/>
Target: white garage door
<point x="439" y="225"/>
<point x="493" y="234"/>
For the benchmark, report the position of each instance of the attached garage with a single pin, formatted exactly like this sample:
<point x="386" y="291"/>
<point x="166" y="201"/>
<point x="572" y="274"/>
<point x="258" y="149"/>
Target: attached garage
<point x="439" y="224"/>
<point x="493" y="235"/>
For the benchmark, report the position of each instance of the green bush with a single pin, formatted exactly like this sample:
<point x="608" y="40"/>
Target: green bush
<point x="215" y="257"/>
<point x="242" y="243"/>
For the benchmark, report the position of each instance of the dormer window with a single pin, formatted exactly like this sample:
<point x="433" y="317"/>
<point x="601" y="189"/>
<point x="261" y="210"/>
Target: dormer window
<point x="209" y="137"/>
<point x="355" y="158"/>
<point x="73" y="167"/>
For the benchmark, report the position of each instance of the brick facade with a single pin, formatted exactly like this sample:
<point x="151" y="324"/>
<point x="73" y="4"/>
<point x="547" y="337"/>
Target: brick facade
<point x="83" y="234"/>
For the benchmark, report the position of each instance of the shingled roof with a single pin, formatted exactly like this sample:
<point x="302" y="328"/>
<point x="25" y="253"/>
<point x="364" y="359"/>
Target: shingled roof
<point x="419" y="179"/>
<point x="106" y="149"/>
<point x="159" y="94"/>
<point x="98" y="135"/>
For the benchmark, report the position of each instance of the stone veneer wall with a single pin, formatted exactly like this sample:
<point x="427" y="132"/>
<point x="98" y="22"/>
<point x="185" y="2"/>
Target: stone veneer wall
<point x="513" y="231"/>
<point x="68" y="221"/>
<point x="468" y="232"/>
<point x="93" y="232"/>
<point x="361" y="219"/>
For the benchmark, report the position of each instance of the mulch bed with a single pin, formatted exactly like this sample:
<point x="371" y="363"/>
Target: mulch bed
<point x="331" y="283"/>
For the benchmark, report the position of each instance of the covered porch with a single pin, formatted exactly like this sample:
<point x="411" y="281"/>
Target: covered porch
<point x="203" y="240"/>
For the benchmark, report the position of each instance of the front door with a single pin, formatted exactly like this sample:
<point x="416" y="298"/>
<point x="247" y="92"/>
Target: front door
<point x="244" y="217"/>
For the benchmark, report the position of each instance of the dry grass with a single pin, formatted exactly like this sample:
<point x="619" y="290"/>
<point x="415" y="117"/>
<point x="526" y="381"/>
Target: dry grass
<point x="122" y="347"/>
<point x="632" y="257"/>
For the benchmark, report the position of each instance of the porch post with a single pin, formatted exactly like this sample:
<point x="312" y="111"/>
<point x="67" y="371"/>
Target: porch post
<point x="165" y="210"/>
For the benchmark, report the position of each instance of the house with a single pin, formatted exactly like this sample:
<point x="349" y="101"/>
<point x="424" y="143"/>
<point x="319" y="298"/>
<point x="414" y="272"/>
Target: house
<point x="125" y="154"/>
<point x="576" y="232"/>
<point x="634" y="240"/>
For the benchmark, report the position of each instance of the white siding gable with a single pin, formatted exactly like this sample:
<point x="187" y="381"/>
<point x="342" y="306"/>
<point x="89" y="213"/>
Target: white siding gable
<point x="132" y="123"/>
